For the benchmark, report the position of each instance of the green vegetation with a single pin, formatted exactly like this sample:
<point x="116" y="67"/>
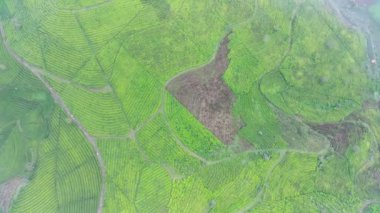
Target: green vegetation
<point x="309" y="88"/>
<point x="66" y="177"/>
<point x="191" y="132"/>
<point x="291" y="71"/>
<point x="25" y="109"/>
<point x="295" y="72"/>
<point x="375" y="10"/>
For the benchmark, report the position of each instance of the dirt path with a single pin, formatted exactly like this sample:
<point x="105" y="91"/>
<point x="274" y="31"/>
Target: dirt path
<point x="86" y="8"/>
<point x="257" y="199"/>
<point x="8" y="191"/>
<point x="357" y="18"/>
<point x="367" y="203"/>
<point x="61" y="80"/>
<point x="285" y="55"/>
<point x="37" y="72"/>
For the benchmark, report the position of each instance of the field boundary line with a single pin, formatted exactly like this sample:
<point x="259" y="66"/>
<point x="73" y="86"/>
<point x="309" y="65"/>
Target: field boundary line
<point x="37" y="72"/>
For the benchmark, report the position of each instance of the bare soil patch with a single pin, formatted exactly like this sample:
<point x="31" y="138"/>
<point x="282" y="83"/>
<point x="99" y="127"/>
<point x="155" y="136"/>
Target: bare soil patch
<point x="8" y="191"/>
<point x="376" y="176"/>
<point x="371" y="104"/>
<point x="340" y="135"/>
<point x="204" y="93"/>
<point x="299" y="135"/>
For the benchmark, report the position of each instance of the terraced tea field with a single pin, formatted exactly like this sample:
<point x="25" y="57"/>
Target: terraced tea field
<point x="189" y="106"/>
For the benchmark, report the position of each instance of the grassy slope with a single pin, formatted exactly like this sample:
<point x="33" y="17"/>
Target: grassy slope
<point x="25" y="109"/>
<point x="66" y="177"/>
<point x="110" y="63"/>
<point x="375" y="10"/>
<point x="42" y="147"/>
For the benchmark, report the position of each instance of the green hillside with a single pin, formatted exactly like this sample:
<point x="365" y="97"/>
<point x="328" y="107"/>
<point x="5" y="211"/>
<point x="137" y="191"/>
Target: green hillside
<point x="88" y="121"/>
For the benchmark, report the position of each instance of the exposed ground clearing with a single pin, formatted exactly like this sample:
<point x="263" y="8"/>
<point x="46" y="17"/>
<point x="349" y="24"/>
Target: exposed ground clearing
<point x="133" y="185"/>
<point x="339" y="134"/>
<point x="203" y="92"/>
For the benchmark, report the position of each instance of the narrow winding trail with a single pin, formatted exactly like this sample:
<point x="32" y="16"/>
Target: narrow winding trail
<point x="358" y="19"/>
<point x="259" y="195"/>
<point x="367" y="203"/>
<point x="9" y="190"/>
<point x="37" y="72"/>
<point x="85" y="8"/>
<point x="282" y="59"/>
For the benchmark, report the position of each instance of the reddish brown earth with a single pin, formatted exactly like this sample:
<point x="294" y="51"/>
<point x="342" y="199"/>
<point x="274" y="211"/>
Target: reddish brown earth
<point x="8" y="190"/>
<point x="340" y="135"/>
<point x="204" y="93"/>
